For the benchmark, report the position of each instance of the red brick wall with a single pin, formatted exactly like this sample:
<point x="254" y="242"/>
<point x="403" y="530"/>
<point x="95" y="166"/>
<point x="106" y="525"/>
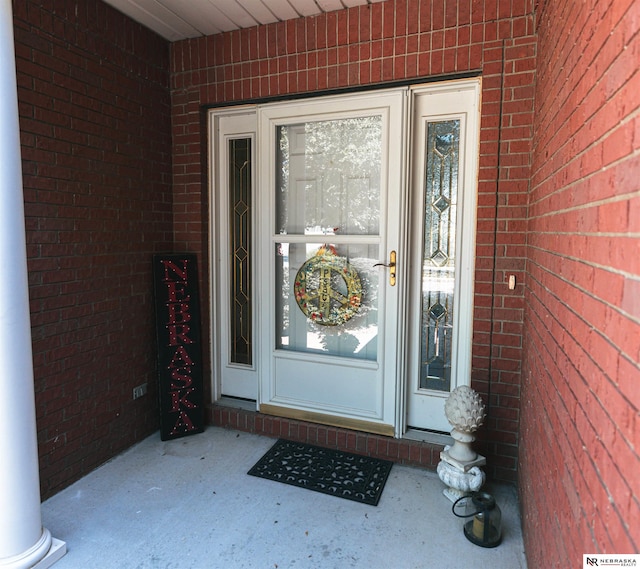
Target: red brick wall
<point x="580" y="435"/>
<point x="393" y="40"/>
<point x="95" y="129"/>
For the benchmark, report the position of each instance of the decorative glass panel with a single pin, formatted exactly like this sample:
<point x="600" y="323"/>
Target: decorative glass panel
<point x="438" y="263"/>
<point x="329" y="177"/>
<point x="240" y="227"/>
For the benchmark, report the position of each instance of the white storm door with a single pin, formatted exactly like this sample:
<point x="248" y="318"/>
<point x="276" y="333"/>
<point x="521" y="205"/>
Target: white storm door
<point x="331" y="205"/>
<point x="443" y="179"/>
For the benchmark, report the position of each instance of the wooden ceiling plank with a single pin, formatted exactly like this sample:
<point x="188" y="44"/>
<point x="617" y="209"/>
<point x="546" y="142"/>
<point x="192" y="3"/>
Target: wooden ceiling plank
<point x="259" y="11"/>
<point x="180" y="19"/>
<point x="283" y="10"/>
<point x="156" y="17"/>
<point x="352" y="3"/>
<point x="235" y="12"/>
<point x="214" y="14"/>
<point x="330" y="5"/>
<point x="197" y="12"/>
<point x="306" y="7"/>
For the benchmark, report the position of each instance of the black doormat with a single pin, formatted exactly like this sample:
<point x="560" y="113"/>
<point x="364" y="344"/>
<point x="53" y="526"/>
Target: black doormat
<point x="350" y="476"/>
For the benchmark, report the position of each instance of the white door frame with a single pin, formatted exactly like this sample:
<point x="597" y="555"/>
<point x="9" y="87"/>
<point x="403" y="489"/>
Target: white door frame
<point x="405" y="342"/>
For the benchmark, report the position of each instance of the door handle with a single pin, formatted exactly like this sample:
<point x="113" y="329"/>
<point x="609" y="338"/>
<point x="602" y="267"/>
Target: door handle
<point x="391" y="265"/>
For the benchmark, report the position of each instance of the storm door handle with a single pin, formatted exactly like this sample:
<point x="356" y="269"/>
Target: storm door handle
<point x="391" y="265"/>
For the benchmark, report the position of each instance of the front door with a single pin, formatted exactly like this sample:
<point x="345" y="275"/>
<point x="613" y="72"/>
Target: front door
<point x="330" y="225"/>
<point x="344" y="245"/>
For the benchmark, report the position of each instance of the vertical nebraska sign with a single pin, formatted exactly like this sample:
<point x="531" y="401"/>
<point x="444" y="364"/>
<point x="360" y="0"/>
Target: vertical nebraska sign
<point x="179" y="347"/>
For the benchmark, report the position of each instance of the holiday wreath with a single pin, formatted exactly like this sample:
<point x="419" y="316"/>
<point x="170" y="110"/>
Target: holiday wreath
<point x="327" y="288"/>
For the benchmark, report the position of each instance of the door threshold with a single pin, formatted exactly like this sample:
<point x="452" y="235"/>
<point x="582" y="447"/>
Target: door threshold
<point x="431" y="437"/>
<point x="412" y="434"/>
<point x="237" y="402"/>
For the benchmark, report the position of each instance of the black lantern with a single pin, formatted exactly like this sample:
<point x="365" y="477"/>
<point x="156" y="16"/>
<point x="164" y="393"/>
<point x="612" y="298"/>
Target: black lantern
<point x="485" y="529"/>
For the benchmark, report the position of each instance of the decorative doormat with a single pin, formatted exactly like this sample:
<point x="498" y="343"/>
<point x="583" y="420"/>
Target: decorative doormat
<point x="342" y="474"/>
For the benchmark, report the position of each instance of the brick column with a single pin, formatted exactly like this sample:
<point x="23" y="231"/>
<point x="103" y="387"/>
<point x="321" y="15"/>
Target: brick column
<point x="23" y="540"/>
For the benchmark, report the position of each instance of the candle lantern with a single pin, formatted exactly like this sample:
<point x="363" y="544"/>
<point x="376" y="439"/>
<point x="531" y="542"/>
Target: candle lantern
<point x="485" y="529"/>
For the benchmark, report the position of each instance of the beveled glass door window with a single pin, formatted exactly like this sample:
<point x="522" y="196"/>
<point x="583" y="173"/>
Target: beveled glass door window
<point x="439" y="253"/>
<point x="240" y="250"/>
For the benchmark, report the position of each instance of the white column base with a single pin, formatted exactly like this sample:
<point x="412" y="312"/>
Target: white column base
<point x="56" y="552"/>
<point x="42" y="555"/>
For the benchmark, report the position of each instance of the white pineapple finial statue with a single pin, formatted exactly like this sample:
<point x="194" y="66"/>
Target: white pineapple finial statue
<point x="465" y="411"/>
<point x="459" y="464"/>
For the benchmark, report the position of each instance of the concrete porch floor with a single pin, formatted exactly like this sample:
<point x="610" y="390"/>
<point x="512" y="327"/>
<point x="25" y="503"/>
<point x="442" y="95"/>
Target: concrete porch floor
<point x="189" y="504"/>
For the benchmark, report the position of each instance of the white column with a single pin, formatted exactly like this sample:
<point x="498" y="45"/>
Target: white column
<point x="24" y="543"/>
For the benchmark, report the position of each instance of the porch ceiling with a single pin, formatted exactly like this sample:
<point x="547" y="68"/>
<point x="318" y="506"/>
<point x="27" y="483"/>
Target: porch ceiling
<point x="179" y="19"/>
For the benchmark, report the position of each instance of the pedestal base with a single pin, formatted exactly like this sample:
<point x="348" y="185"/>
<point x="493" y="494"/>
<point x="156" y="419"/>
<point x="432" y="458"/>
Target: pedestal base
<point x="459" y="482"/>
<point x="465" y="466"/>
<point x="454" y="494"/>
